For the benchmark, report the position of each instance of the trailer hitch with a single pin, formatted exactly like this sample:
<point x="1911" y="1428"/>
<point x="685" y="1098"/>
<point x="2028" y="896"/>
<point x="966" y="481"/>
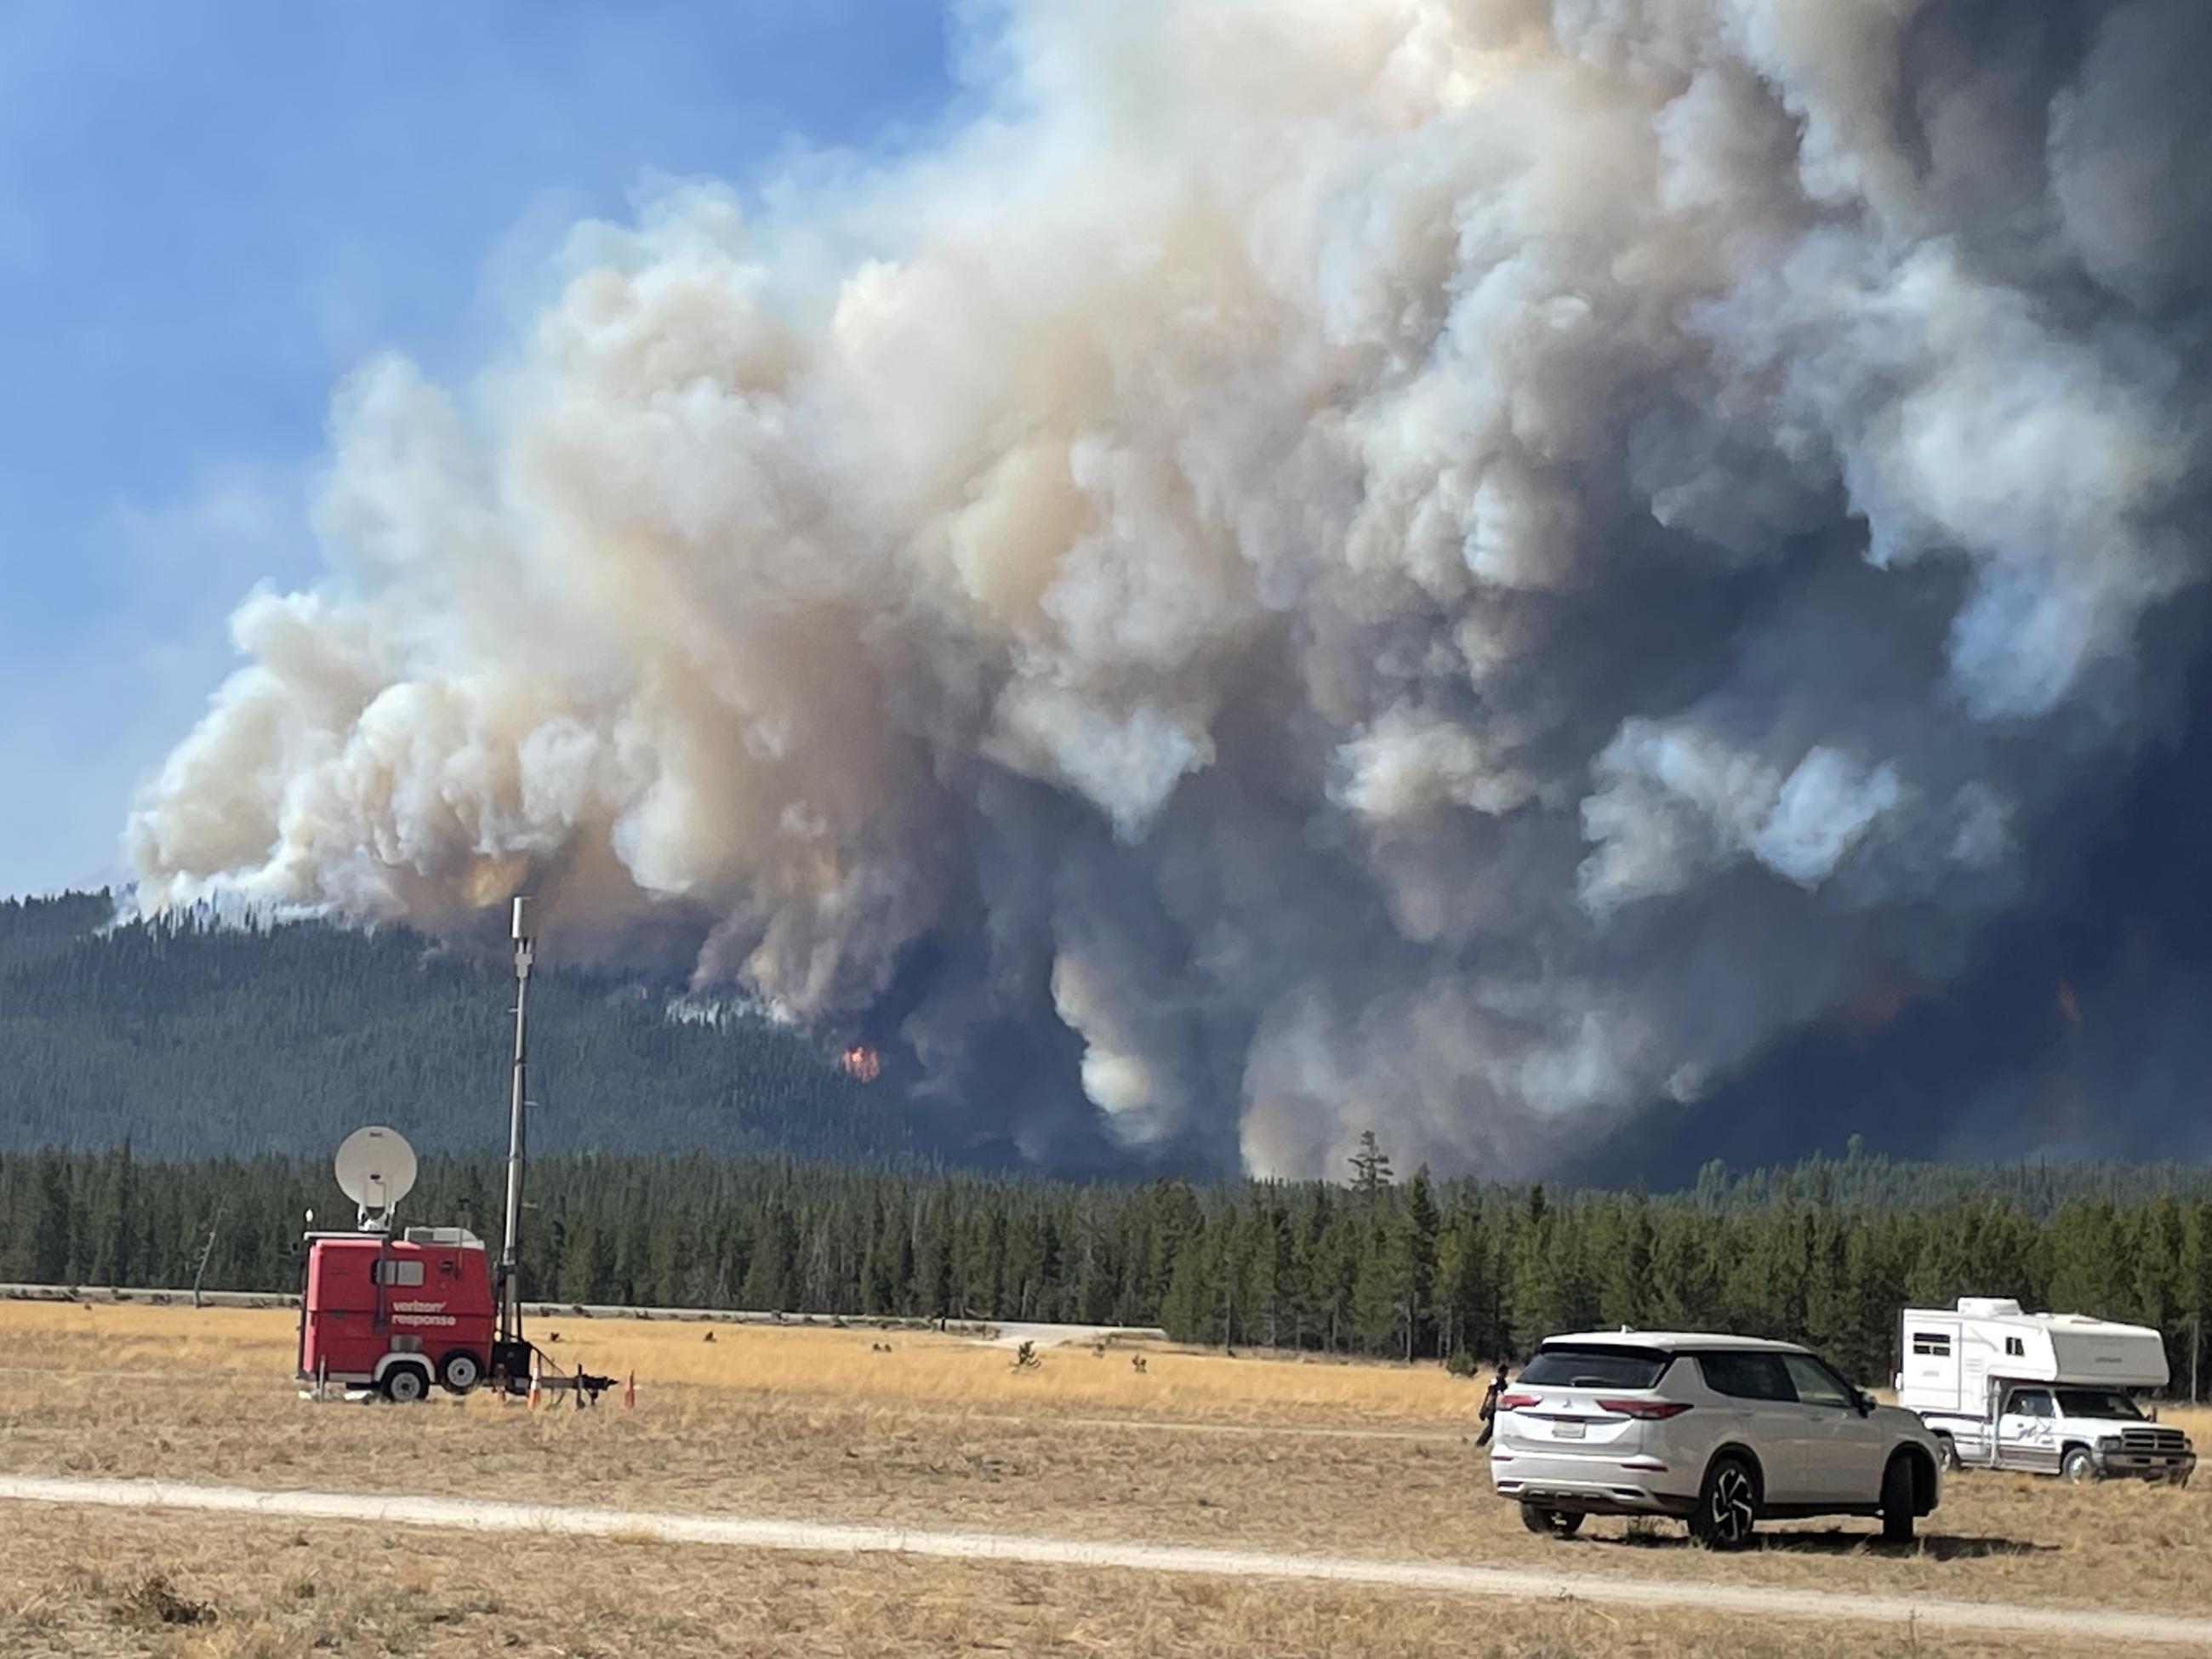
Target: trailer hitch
<point x="585" y="1386"/>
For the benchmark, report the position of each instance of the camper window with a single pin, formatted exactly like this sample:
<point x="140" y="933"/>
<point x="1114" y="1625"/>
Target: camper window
<point x="2015" y="1348"/>
<point x="1932" y="1342"/>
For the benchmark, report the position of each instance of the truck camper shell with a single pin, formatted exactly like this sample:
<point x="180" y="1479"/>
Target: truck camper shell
<point x="1951" y="1354"/>
<point x="2045" y="1393"/>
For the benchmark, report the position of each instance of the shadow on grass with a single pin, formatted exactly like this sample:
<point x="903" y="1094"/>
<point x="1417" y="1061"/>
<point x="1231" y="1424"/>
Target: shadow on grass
<point x="1935" y="1546"/>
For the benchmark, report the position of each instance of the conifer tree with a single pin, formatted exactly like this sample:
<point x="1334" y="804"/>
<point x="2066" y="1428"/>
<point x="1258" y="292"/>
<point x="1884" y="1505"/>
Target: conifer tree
<point x="1624" y="1289"/>
<point x="46" y="1225"/>
<point x="1370" y="1167"/>
<point x="1190" y="1311"/>
<point x="1417" y="1262"/>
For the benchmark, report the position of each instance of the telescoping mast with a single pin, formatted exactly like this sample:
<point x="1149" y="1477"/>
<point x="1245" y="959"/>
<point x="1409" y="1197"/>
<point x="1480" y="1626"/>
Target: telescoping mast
<point x="510" y="1351"/>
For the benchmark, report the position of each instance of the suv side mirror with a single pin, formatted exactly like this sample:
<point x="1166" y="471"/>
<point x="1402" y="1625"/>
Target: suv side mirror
<point x="1865" y="1402"/>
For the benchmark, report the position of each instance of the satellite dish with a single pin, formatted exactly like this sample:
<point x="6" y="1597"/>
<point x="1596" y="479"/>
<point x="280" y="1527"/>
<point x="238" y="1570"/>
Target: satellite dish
<point x="375" y="1169"/>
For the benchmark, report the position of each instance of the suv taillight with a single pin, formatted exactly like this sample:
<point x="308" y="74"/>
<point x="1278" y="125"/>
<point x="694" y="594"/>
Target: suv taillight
<point x="1514" y="1402"/>
<point x="1645" y="1411"/>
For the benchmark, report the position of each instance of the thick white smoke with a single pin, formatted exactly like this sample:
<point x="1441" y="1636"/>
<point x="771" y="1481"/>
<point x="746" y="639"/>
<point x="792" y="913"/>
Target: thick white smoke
<point x="1452" y="565"/>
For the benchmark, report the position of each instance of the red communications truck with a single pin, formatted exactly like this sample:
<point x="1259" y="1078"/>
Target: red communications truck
<point x="398" y="1313"/>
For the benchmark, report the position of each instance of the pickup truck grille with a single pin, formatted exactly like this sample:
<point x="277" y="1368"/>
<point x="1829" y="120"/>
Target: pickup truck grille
<point x="2154" y="1440"/>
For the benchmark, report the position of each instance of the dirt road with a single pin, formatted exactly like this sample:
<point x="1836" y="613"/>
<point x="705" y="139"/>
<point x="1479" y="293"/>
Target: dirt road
<point x="818" y="1538"/>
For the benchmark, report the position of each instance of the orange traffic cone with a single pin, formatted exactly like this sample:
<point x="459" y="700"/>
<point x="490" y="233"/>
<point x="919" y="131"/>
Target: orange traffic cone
<point x="533" y="1390"/>
<point x="629" y="1392"/>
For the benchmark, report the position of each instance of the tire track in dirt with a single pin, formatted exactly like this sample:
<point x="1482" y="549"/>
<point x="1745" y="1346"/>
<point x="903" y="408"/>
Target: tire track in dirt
<point x="818" y="1538"/>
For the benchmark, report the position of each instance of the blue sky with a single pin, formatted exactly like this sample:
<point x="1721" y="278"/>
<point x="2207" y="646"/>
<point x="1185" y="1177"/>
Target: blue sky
<point x="209" y="213"/>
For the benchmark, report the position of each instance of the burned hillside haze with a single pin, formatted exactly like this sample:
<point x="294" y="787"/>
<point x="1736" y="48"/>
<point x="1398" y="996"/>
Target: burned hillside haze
<point x="1537" y="578"/>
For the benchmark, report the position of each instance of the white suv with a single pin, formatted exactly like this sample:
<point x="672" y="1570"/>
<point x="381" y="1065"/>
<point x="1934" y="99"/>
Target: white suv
<point x="1717" y="1430"/>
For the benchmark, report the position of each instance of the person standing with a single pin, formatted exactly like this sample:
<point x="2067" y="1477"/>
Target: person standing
<point x="1489" y="1412"/>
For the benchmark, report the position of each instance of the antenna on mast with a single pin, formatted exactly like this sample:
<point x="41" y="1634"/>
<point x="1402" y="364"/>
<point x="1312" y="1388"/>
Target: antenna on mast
<point x="510" y="1289"/>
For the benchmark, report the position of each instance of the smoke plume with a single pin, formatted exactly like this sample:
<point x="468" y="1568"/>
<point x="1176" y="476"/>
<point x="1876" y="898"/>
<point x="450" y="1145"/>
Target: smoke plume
<point x="1465" y="567"/>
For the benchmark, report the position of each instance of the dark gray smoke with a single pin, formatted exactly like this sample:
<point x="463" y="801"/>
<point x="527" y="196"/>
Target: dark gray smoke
<point x="1466" y="567"/>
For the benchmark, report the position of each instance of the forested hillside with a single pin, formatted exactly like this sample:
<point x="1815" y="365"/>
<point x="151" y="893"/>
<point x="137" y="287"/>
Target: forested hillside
<point x="1385" y="1267"/>
<point x="190" y="1039"/>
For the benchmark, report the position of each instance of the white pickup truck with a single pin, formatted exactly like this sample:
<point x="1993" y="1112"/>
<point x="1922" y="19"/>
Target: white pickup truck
<point x="2042" y="1394"/>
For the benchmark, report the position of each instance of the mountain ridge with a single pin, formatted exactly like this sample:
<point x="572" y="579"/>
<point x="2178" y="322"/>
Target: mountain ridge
<point x="190" y="1036"/>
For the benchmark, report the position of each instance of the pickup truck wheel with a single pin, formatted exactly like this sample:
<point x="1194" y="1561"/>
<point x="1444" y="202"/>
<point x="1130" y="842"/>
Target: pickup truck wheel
<point x="1949" y="1450"/>
<point x="1553" y="1524"/>
<point x="1728" y="1504"/>
<point x="1897" y="1501"/>
<point x="2079" y="1466"/>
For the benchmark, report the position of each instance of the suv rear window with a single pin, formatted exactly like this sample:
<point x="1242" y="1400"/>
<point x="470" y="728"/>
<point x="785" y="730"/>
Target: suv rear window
<point x="1581" y="1367"/>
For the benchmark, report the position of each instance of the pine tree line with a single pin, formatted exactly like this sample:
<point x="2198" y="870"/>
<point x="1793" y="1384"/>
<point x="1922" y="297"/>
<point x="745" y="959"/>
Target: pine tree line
<point x="1417" y="1269"/>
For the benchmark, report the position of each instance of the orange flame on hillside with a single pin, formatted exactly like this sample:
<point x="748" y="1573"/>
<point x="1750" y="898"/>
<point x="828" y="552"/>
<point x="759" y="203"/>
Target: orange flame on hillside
<point x="861" y="1062"/>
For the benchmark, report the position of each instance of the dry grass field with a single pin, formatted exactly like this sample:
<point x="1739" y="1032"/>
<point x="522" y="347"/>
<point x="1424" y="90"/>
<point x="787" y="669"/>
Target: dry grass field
<point x="921" y="1368"/>
<point x="824" y="1424"/>
<point x="97" y="1585"/>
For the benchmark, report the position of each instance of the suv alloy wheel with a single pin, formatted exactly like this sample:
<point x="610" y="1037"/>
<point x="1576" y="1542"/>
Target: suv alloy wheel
<point x="1728" y="1504"/>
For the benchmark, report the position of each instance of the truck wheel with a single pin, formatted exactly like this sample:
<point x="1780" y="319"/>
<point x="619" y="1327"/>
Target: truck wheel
<point x="2079" y="1466"/>
<point x="460" y="1371"/>
<point x="1555" y="1524"/>
<point x="1897" y="1501"/>
<point x="1948" y="1449"/>
<point x="1728" y="1504"/>
<point x="406" y="1384"/>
